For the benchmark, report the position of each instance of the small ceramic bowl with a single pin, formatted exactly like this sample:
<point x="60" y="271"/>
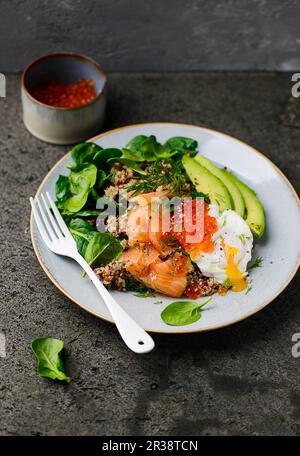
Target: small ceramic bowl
<point x="63" y="125"/>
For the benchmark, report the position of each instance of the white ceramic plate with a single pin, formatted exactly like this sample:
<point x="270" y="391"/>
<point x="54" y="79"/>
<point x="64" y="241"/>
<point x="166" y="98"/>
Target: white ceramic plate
<point x="280" y="246"/>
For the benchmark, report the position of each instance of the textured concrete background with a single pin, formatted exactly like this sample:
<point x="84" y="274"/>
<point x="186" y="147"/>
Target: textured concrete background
<point x="156" y="35"/>
<point x="239" y="380"/>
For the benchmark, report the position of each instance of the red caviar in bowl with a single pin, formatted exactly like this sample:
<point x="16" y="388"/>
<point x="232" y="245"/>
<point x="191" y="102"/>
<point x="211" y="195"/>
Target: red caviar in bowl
<point x="72" y="95"/>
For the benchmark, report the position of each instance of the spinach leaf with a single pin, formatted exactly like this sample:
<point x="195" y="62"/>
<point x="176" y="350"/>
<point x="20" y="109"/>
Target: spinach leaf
<point x="151" y="149"/>
<point x="181" y="143"/>
<point x="82" y="232"/>
<point x="79" y="196"/>
<point x="135" y="143"/>
<point x="88" y="172"/>
<point x="102" y="179"/>
<point x="102" y="157"/>
<point x="47" y="351"/>
<point x="147" y="148"/>
<point x="81" y="183"/>
<point x="68" y="216"/>
<point x="94" y="194"/>
<point x="133" y="156"/>
<point x="85" y="152"/>
<point x="62" y="188"/>
<point x="182" y="313"/>
<point x="102" y="249"/>
<point x="87" y="213"/>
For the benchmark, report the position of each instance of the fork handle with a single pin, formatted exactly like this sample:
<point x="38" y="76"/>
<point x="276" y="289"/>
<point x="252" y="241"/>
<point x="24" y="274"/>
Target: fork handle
<point x="133" y="335"/>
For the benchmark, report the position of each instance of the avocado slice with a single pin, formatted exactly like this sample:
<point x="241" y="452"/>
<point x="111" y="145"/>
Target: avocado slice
<point x="237" y="198"/>
<point x="255" y="210"/>
<point x="206" y="182"/>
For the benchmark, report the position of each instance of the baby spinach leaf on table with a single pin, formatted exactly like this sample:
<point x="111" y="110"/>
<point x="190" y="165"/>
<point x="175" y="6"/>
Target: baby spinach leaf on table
<point x="62" y="188"/>
<point x="180" y="313"/>
<point x="181" y="143"/>
<point x="102" y="249"/>
<point x="47" y="352"/>
<point x="85" y="152"/>
<point x="82" y="232"/>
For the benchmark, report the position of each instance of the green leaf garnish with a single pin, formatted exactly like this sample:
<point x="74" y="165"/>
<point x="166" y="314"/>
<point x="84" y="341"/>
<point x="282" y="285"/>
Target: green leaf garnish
<point x="81" y="182"/>
<point x="62" y="188"/>
<point x="161" y="173"/>
<point x="248" y="289"/>
<point x="82" y="232"/>
<point x="85" y="152"/>
<point x="145" y="294"/>
<point x="180" y="313"/>
<point x="257" y="263"/>
<point x="227" y="283"/>
<point x="102" y="249"/>
<point x="181" y="143"/>
<point x="47" y="352"/>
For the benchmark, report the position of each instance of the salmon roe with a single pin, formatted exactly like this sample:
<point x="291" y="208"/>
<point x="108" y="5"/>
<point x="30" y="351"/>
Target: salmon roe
<point x="204" y="233"/>
<point x="194" y="290"/>
<point x="71" y="95"/>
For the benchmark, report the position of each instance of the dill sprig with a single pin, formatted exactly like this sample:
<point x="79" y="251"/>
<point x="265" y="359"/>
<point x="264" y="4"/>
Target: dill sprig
<point x="257" y="263"/>
<point x="164" y="173"/>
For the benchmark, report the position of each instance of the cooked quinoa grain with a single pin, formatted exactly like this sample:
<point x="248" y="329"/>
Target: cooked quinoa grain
<point x="198" y="285"/>
<point x="113" y="275"/>
<point x="111" y="191"/>
<point x="116" y="225"/>
<point x="122" y="175"/>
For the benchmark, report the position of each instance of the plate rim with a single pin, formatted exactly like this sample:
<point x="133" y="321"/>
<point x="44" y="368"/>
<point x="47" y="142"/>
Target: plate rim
<point x="154" y="331"/>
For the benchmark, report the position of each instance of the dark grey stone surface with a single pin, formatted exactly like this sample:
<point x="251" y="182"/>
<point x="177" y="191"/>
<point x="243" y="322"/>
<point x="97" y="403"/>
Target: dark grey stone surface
<point x="156" y="35"/>
<point x="239" y="380"/>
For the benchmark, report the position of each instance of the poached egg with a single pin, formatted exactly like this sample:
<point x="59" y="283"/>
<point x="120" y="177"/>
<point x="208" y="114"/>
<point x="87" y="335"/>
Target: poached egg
<point x="233" y="243"/>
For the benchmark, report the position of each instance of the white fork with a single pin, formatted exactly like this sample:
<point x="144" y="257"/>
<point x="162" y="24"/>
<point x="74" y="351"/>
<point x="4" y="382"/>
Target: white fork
<point x="57" y="237"/>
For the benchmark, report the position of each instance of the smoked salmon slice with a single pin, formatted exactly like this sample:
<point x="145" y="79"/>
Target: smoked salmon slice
<point x="138" y="224"/>
<point x="168" y="277"/>
<point x="145" y="258"/>
<point x="137" y="259"/>
<point x="145" y="221"/>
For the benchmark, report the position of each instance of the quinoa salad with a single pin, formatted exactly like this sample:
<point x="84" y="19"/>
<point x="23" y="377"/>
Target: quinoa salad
<point x="115" y="202"/>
